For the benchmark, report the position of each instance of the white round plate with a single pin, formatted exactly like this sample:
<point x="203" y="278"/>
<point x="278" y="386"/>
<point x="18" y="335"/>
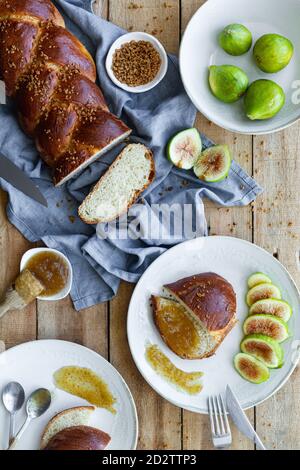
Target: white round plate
<point x="235" y="260"/>
<point x="137" y="36"/>
<point x="33" y="364"/>
<point x="200" y="49"/>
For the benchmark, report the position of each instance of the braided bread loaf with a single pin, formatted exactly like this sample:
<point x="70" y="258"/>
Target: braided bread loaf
<point x="52" y="77"/>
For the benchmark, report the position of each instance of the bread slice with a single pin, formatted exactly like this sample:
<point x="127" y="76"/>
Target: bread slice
<point x="79" y="438"/>
<point x="69" y="166"/>
<point x="77" y="416"/>
<point x="210" y="301"/>
<point x="181" y="333"/>
<point x="89" y="142"/>
<point x="130" y="174"/>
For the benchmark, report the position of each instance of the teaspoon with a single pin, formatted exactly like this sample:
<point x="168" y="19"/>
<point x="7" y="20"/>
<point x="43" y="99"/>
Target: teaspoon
<point x="37" y="404"/>
<point x="13" y="397"/>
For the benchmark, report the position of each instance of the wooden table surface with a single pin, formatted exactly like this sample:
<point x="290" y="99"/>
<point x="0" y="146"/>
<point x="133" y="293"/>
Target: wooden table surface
<point x="272" y="223"/>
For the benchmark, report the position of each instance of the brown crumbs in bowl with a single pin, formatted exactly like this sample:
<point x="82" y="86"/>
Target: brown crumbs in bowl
<point x="136" y="63"/>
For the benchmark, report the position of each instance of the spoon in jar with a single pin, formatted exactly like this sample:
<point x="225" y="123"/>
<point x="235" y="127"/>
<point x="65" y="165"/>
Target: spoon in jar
<point x="37" y="404"/>
<point x="13" y="397"/>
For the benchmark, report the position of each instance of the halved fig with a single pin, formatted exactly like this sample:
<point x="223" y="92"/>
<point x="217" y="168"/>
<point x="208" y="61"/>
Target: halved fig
<point x="258" y="278"/>
<point x="278" y="308"/>
<point x="185" y="148"/>
<point x="214" y="163"/>
<point x="267" y="325"/>
<point x="262" y="291"/>
<point x="264" y="348"/>
<point x="251" y="368"/>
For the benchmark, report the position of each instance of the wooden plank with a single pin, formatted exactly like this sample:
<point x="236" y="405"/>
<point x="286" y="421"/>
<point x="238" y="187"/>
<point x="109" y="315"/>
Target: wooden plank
<point x="160" y="422"/>
<point x="19" y="326"/>
<point x="152" y="16"/>
<point x="88" y="327"/>
<point x="100" y="8"/>
<point x="277" y="229"/>
<point x="236" y="222"/>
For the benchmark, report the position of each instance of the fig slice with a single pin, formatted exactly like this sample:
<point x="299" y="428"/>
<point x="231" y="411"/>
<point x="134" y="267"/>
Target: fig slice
<point x="258" y="278"/>
<point x="213" y="165"/>
<point x="264" y="348"/>
<point x="262" y="291"/>
<point x="251" y="368"/>
<point x="278" y="308"/>
<point x="267" y="325"/>
<point x="185" y="148"/>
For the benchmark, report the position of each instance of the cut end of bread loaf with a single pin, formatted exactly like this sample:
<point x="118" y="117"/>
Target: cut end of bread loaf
<point x="183" y="332"/>
<point x="197" y="314"/>
<point x="180" y="331"/>
<point x="130" y="174"/>
<point x="77" y="416"/>
<point x="70" y="166"/>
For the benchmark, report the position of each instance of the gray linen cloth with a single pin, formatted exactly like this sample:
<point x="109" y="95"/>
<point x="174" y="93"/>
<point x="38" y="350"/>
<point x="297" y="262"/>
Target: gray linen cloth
<point x="100" y="263"/>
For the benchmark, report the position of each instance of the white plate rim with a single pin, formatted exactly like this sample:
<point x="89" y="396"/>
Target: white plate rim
<point x="209" y="116"/>
<point x="131" y="339"/>
<point x="94" y="353"/>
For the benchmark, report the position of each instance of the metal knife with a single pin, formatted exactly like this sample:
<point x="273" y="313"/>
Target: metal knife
<point x="240" y="419"/>
<point x="13" y="175"/>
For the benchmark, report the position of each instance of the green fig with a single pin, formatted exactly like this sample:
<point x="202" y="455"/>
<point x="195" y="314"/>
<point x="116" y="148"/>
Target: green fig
<point x="273" y="52"/>
<point x="263" y="99"/>
<point x="184" y="148"/>
<point x="278" y="308"/>
<point x="227" y="82"/>
<point x="214" y="163"/>
<point x="251" y="368"/>
<point x="235" y="39"/>
<point x="258" y="278"/>
<point x="262" y="291"/>
<point x="266" y="349"/>
<point x="267" y="325"/>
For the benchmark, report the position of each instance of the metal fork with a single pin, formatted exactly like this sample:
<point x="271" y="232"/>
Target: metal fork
<point x="220" y="429"/>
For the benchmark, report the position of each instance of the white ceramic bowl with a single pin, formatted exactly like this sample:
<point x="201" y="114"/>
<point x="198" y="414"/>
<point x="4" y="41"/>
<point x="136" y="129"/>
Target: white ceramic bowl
<point x="63" y="293"/>
<point x="200" y="49"/>
<point x="138" y="36"/>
